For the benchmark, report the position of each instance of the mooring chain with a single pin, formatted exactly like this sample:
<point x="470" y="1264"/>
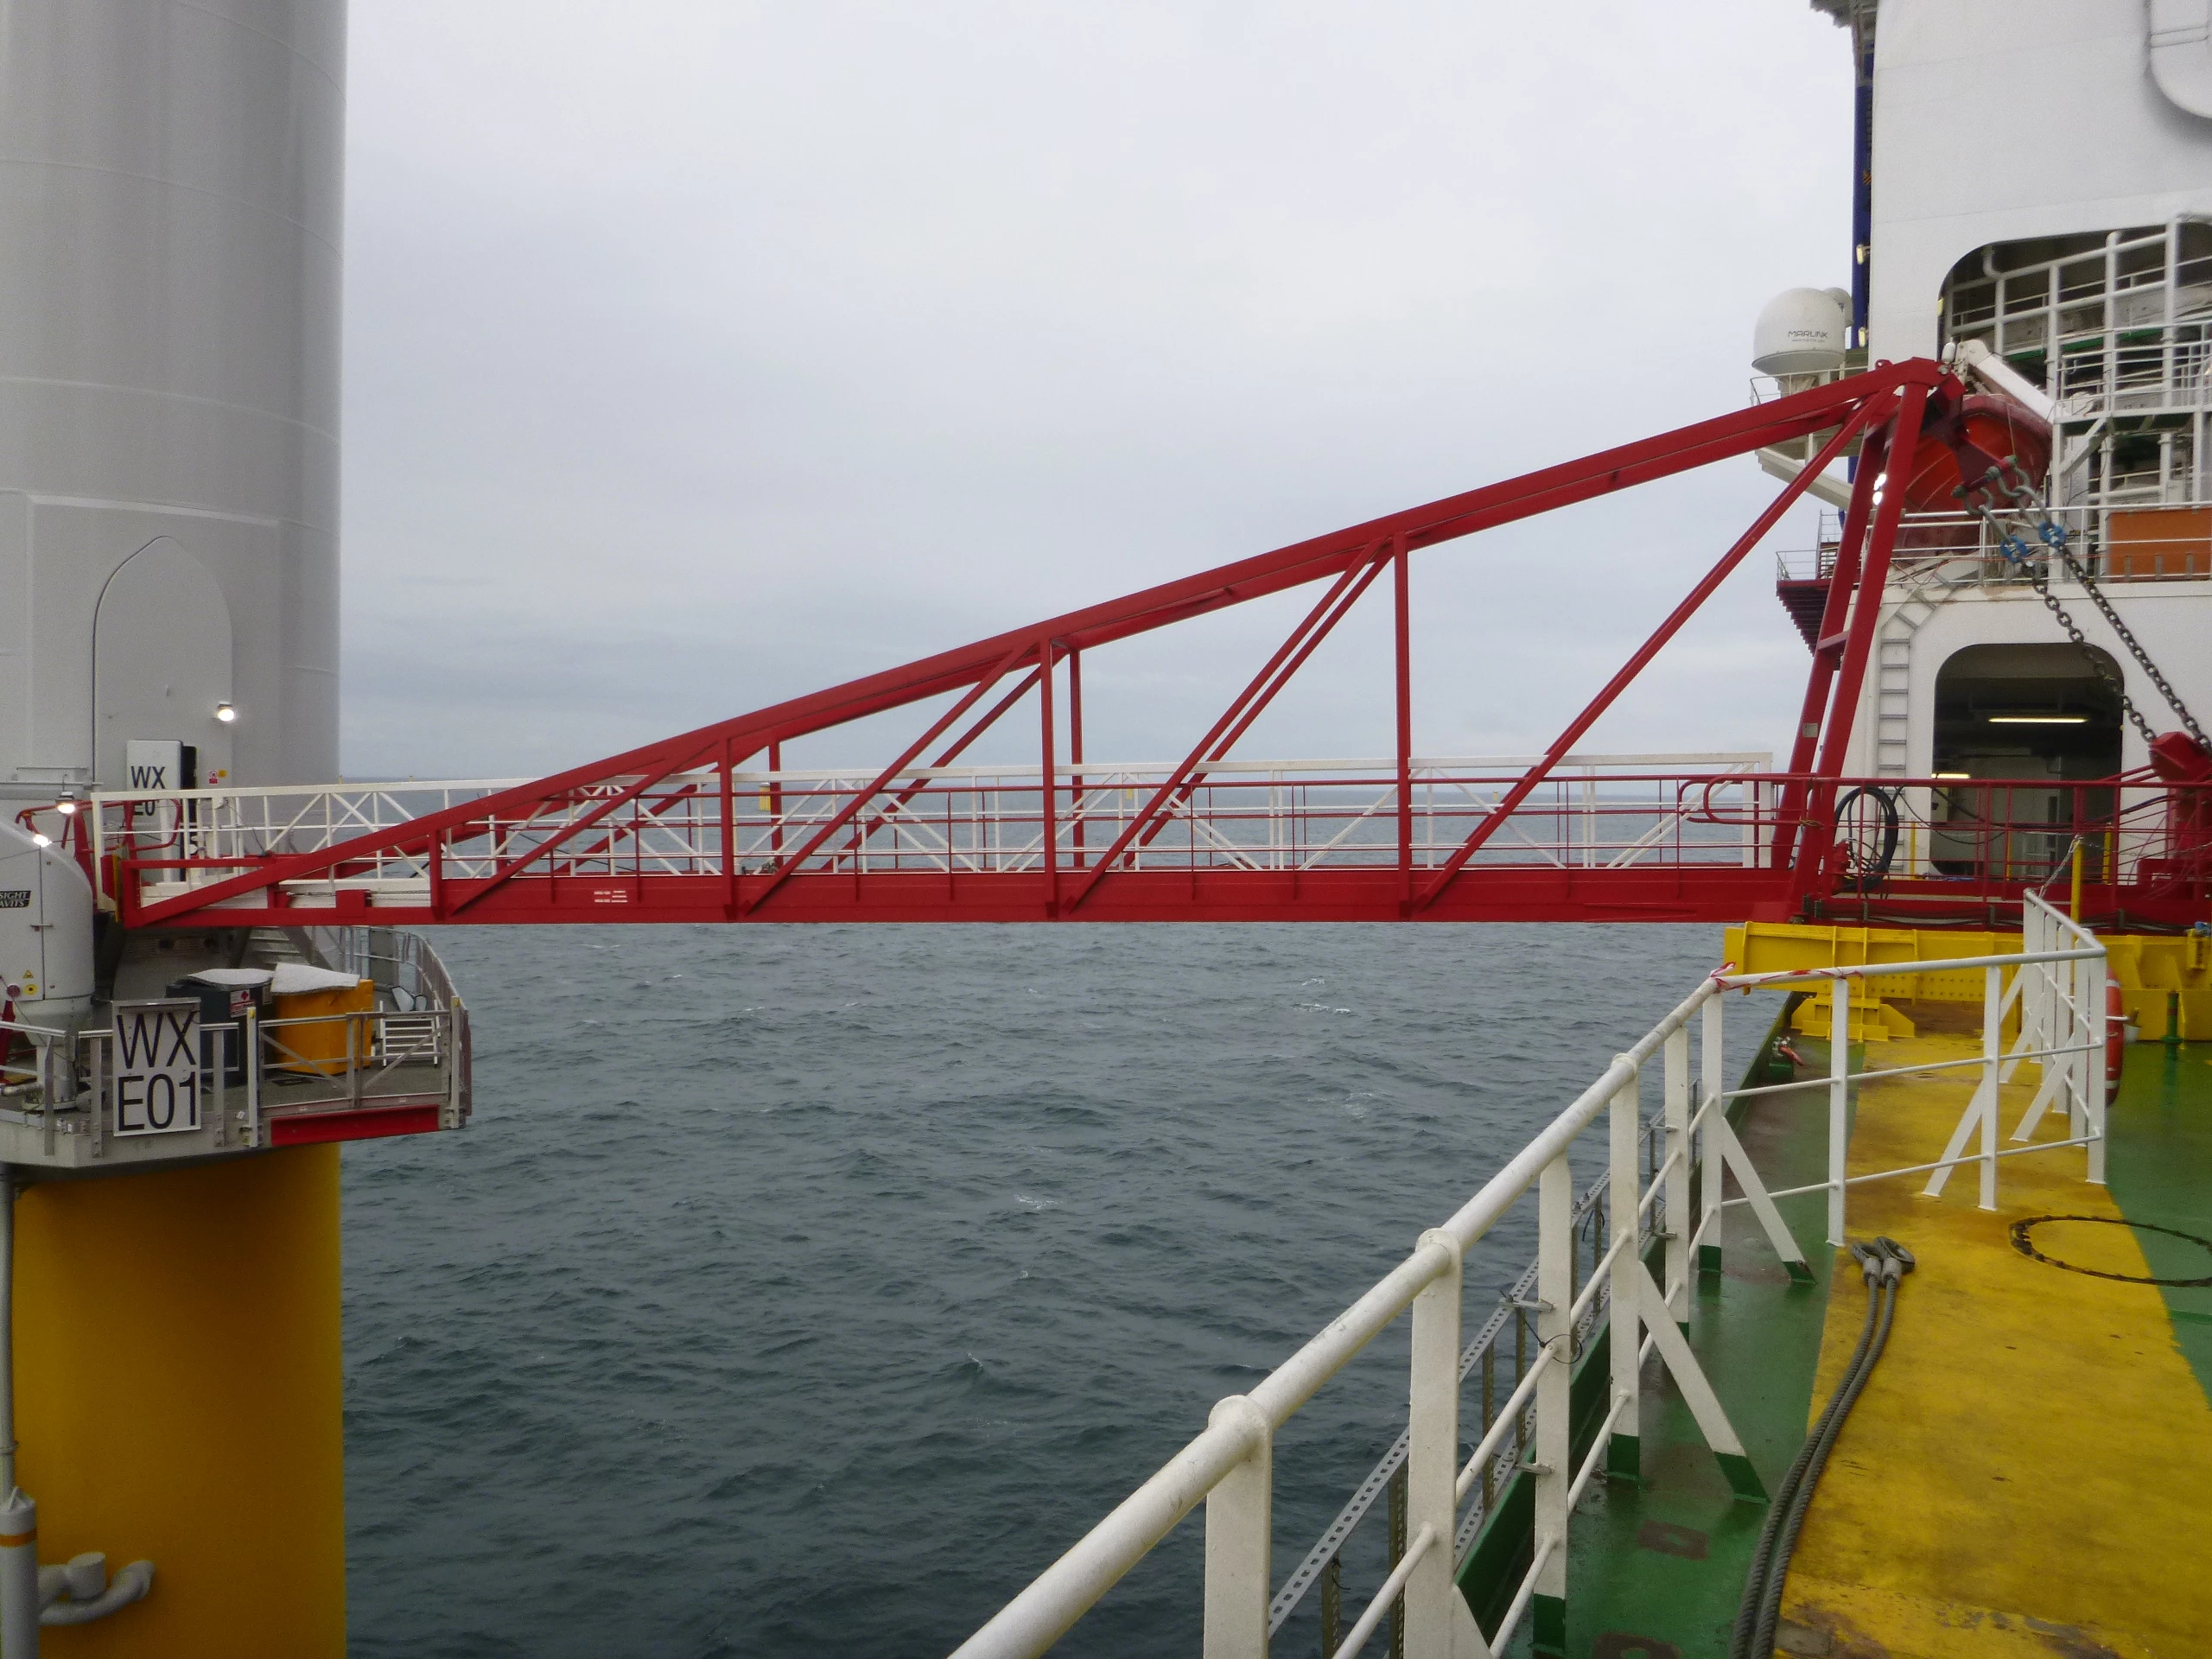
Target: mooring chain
<point x="2006" y="477"/>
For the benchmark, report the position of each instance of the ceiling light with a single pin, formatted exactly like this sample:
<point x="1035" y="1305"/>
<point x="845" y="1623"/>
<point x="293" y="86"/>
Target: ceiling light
<point x="65" y="808"/>
<point x="2038" y="720"/>
<point x="225" y="713"/>
<point x="40" y="840"/>
<point x="1950" y="774"/>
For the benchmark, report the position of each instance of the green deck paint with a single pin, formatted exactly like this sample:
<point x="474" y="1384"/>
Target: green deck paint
<point x="1549" y="1614"/>
<point x="1743" y="1477"/>
<point x="2158" y="1169"/>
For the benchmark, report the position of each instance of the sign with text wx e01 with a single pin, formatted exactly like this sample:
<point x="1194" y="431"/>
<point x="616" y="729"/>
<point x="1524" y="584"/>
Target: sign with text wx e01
<point x="156" y="1067"/>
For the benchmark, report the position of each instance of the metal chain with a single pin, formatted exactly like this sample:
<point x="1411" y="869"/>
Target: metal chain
<point x="2013" y="546"/>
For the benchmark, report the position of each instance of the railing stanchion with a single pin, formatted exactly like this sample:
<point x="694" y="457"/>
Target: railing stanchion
<point x="1839" y="1105"/>
<point x="2091" y="1020"/>
<point x="1992" y="1055"/>
<point x="1711" y="1058"/>
<point x="1520" y="1371"/>
<point x="1675" y="1184"/>
<point x="1239" y="1528"/>
<point x="1555" y="1463"/>
<point x="1490" y="1416"/>
<point x="2069" y="995"/>
<point x="1396" y="1505"/>
<point x="1626" y="1338"/>
<point x="252" y="1057"/>
<point x="1432" y="1467"/>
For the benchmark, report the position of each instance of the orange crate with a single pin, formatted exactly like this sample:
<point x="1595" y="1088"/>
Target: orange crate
<point x="321" y="1048"/>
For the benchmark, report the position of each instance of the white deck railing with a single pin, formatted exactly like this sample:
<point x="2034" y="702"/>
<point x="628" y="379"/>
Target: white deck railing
<point x="2058" y="982"/>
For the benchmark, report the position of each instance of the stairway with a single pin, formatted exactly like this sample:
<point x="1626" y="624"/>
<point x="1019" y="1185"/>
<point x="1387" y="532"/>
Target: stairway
<point x="1806" y="601"/>
<point x="1926" y="588"/>
<point x="270" y="945"/>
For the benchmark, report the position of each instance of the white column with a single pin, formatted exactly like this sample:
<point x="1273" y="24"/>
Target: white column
<point x="1993" y="1057"/>
<point x="1712" y="1056"/>
<point x="1675" y="1186"/>
<point x="1625" y="1316"/>
<point x="1239" y="1529"/>
<point x="1554" y="1354"/>
<point x="2078" y="1069"/>
<point x="1432" y="1456"/>
<point x="2093" y="1032"/>
<point x="1839" y="1106"/>
<point x="19" y="1608"/>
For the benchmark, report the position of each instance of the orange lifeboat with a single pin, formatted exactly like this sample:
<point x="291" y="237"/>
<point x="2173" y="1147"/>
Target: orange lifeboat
<point x="1999" y="427"/>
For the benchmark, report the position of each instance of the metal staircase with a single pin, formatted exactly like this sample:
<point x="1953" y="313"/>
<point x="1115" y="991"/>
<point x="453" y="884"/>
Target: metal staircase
<point x="1926" y="588"/>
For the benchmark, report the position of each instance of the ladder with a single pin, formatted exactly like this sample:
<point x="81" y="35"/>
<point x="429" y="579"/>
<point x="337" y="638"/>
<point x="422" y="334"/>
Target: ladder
<point x="1927" y="590"/>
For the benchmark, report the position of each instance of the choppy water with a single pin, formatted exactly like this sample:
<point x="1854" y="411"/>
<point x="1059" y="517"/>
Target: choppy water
<point x="804" y="1291"/>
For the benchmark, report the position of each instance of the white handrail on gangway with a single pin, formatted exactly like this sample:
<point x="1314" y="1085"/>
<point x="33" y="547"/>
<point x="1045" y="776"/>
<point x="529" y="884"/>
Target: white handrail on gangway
<point x="2058" y="985"/>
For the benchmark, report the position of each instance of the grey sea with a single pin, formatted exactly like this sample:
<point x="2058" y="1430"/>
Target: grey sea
<point x="806" y="1291"/>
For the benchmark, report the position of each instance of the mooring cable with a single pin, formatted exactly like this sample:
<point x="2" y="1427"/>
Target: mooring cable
<point x="1740" y="1641"/>
<point x="1882" y="1265"/>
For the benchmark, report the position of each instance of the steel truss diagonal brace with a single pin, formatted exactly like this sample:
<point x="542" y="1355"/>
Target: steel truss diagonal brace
<point x="1857" y="421"/>
<point x="1984" y="1103"/>
<point x="2054" y="1085"/>
<point x="1697" y="1393"/>
<point x="1979" y="1107"/>
<point x="1755" y="1194"/>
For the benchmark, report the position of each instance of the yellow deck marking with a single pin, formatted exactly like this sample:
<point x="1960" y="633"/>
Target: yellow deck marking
<point x="2030" y="1470"/>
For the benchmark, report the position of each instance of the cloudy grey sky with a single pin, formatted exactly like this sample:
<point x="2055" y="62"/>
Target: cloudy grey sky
<point x="700" y="353"/>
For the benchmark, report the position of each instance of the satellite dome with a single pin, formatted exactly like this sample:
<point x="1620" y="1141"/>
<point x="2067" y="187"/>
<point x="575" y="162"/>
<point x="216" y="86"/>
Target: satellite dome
<point x="1802" y="331"/>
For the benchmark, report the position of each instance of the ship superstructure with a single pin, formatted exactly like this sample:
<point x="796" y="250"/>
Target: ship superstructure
<point x="2072" y="284"/>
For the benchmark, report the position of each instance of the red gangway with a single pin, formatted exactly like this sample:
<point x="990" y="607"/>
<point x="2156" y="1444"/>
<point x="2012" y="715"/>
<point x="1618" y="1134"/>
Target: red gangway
<point x="709" y="825"/>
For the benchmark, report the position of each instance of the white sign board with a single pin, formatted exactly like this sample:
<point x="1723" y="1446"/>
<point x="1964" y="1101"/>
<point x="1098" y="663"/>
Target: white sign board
<point x="156" y="1067"/>
<point x="154" y="763"/>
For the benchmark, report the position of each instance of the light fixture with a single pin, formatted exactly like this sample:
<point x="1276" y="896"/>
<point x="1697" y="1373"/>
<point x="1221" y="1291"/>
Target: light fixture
<point x="225" y="713"/>
<point x="65" y="806"/>
<point x="1954" y="775"/>
<point x="2038" y="720"/>
<point x="39" y="839"/>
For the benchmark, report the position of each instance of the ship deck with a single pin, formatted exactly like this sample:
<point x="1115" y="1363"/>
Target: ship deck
<point x="2023" y="1473"/>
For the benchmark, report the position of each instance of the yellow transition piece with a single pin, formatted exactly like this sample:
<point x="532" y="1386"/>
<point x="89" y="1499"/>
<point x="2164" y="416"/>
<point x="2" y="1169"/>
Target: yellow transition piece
<point x="2025" y="1473"/>
<point x="179" y="1399"/>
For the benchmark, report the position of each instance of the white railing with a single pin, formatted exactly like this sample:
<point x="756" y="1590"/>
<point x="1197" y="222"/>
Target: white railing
<point x="2058" y="985"/>
<point x="255" y="1073"/>
<point x="257" y="1070"/>
<point x="2131" y="532"/>
<point x="1592" y="811"/>
<point x="401" y="962"/>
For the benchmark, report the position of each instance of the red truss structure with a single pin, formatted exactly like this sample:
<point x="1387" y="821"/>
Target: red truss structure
<point x="709" y="826"/>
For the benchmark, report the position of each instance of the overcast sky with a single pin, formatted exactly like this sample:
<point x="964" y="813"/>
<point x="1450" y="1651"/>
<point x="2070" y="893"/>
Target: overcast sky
<point x="702" y="353"/>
